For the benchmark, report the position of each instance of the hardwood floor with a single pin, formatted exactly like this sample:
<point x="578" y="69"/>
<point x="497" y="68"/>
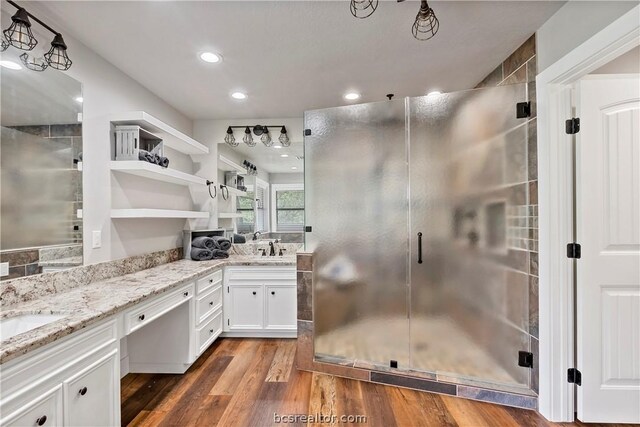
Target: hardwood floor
<point x="243" y="382"/>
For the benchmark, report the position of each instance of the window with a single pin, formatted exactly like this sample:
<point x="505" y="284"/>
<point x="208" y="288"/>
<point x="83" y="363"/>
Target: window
<point x="289" y="207"/>
<point x="245" y="208"/>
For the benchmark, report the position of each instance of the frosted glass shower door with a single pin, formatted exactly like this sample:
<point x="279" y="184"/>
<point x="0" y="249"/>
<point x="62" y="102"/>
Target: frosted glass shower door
<point x="356" y="203"/>
<point x="468" y="202"/>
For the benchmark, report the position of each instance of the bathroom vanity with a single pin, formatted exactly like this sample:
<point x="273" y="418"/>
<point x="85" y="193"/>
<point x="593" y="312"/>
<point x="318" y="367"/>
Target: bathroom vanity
<point x="160" y="320"/>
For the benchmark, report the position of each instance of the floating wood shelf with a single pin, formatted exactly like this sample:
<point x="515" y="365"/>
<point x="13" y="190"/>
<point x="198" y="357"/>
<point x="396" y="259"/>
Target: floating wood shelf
<point x="225" y="164"/>
<point x="151" y="171"/>
<point x="171" y="137"/>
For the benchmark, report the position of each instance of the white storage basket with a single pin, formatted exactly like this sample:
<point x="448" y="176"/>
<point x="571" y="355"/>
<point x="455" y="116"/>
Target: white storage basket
<point x="131" y="139"/>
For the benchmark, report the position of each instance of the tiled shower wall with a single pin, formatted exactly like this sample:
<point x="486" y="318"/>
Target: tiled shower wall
<point x="25" y="262"/>
<point x="516" y="292"/>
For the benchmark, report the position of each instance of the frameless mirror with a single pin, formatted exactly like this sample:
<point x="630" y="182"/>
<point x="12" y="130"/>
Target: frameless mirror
<point x="41" y="169"/>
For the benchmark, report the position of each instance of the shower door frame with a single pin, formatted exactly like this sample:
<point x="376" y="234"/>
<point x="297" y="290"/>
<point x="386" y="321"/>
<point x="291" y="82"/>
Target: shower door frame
<point x="556" y="400"/>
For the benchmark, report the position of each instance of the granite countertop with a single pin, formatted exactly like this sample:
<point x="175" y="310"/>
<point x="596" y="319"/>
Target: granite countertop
<point x="88" y="304"/>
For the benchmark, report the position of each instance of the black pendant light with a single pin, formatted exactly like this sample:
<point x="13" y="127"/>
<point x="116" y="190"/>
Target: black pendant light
<point x="230" y="139"/>
<point x="248" y="138"/>
<point x="33" y="63"/>
<point x="363" y="8"/>
<point x="426" y="24"/>
<point x="4" y="45"/>
<point x="19" y="34"/>
<point x="284" y="138"/>
<point x="57" y="56"/>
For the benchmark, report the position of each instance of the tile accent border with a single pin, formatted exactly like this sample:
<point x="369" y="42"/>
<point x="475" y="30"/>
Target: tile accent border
<point x="306" y="360"/>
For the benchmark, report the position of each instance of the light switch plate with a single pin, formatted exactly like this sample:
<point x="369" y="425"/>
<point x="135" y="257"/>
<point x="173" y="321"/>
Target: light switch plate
<point x="4" y="269"/>
<point x="96" y="239"/>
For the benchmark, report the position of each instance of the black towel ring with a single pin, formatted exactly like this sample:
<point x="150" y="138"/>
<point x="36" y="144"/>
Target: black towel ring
<point x="223" y="188"/>
<point x="215" y="190"/>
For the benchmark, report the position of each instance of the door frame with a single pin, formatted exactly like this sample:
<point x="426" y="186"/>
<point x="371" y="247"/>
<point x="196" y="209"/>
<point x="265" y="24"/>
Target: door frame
<point x="556" y="400"/>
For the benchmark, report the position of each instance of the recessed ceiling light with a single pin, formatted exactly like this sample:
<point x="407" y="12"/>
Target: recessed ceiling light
<point x="239" y="95"/>
<point x="351" y="96"/>
<point x="10" y="65"/>
<point x="434" y="93"/>
<point x="80" y="99"/>
<point x="210" y="57"/>
<point x="277" y="146"/>
<point x="284" y="155"/>
<point x="293" y="168"/>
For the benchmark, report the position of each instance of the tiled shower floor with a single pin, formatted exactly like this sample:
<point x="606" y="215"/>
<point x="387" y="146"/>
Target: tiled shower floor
<point x="439" y="346"/>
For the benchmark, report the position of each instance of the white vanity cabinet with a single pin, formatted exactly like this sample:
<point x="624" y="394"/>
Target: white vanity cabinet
<point x="73" y="382"/>
<point x="208" y="318"/>
<point x="260" y="302"/>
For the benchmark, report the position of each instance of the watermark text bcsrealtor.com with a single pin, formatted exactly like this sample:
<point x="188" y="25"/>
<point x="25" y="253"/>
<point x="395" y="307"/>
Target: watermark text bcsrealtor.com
<point x="319" y="418"/>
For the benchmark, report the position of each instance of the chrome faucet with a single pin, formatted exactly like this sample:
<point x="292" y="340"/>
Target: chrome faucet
<point x="255" y="235"/>
<point x="272" y="249"/>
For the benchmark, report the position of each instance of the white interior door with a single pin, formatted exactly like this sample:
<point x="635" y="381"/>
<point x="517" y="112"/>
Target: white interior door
<point x="608" y="228"/>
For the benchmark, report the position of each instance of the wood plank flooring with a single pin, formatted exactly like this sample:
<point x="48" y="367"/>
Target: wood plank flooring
<point x="243" y="382"/>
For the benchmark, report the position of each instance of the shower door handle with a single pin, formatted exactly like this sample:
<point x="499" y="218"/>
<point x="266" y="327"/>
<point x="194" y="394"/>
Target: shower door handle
<point x="419" y="248"/>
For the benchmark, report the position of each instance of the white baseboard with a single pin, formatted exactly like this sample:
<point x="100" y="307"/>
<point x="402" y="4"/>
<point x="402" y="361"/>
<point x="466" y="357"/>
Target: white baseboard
<point x="124" y="366"/>
<point x="260" y="334"/>
<point x="158" y="368"/>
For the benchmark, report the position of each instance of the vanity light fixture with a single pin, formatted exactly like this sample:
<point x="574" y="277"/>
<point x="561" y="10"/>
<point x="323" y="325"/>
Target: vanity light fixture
<point x="4" y="45"/>
<point x="258" y="130"/>
<point x="210" y="57"/>
<point x="10" y="65"/>
<point x="239" y="95"/>
<point x="33" y="63"/>
<point x="424" y="27"/>
<point x="19" y="35"/>
<point x="284" y="138"/>
<point x="351" y="96"/>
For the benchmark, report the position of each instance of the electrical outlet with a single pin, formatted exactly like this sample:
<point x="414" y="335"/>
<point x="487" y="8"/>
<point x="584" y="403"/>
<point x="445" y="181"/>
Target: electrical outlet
<point x="4" y="269"/>
<point x="97" y="239"/>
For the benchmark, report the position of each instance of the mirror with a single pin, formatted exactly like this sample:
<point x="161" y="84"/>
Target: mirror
<point x="40" y="167"/>
<point x="273" y="205"/>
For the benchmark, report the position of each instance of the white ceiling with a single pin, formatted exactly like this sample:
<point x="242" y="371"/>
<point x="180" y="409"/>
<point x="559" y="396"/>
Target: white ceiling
<point x="292" y="56"/>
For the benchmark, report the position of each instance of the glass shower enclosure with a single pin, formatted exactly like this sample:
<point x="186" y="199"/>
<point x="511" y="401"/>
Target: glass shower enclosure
<point x="415" y="206"/>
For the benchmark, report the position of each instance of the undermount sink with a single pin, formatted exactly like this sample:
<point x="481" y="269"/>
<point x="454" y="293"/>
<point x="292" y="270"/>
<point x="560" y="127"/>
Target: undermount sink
<point x="12" y="326"/>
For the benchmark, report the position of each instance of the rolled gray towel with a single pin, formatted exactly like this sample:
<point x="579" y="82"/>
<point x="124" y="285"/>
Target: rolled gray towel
<point x="199" y="254"/>
<point x="204" y="242"/>
<point x="164" y="162"/>
<point x="222" y="242"/>
<point x="239" y="238"/>
<point x="156" y="159"/>
<point x="146" y="156"/>
<point x="219" y="254"/>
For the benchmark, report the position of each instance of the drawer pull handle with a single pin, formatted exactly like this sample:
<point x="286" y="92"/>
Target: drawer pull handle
<point x="40" y="421"/>
<point x="141" y="317"/>
<point x="273" y="292"/>
<point x="83" y="391"/>
<point x="210" y="302"/>
<point x="210" y="331"/>
<point x="254" y="292"/>
<point x="210" y="280"/>
<point x="186" y="294"/>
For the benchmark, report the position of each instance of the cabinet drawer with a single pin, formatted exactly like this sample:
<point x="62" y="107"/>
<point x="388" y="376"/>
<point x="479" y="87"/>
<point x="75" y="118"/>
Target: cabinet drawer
<point x="146" y="313"/>
<point x="208" y="281"/>
<point x="208" y="332"/>
<point x="208" y="303"/>
<point x="281" y="302"/>
<point x="45" y="410"/>
<point x="90" y="395"/>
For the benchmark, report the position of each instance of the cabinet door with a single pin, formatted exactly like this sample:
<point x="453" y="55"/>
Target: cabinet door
<point x="246" y="311"/>
<point x="45" y="410"/>
<point x="91" y="397"/>
<point x="281" y="306"/>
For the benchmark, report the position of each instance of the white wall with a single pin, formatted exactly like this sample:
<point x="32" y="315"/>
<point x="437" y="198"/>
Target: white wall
<point x="574" y="23"/>
<point x="286" y="178"/>
<point x="108" y="91"/>
<point x="624" y="64"/>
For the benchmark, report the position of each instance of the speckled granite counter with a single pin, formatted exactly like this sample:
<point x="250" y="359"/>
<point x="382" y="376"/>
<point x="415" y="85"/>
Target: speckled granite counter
<point x="62" y="262"/>
<point x="87" y="304"/>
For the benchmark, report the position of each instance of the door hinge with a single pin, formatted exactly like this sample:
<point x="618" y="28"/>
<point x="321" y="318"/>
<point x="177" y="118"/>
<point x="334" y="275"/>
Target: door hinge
<point x="227" y="289"/>
<point x="574" y="250"/>
<point x="523" y="109"/>
<point x="572" y="126"/>
<point x="227" y="322"/>
<point x="525" y="359"/>
<point x="574" y="376"/>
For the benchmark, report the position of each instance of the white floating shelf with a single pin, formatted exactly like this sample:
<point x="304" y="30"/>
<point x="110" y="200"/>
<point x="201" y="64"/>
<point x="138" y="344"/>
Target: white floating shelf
<point x="157" y="213"/>
<point x="225" y="215"/>
<point x="151" y="171"/>
<point x="235" y="191"/>
<point x="225" y="164"/>
<point x="171" y="136"/>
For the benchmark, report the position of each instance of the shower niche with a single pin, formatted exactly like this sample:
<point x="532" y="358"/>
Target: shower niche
<point x="419" y="268"/>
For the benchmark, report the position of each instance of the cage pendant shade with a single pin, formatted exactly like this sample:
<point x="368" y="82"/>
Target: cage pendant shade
<point x="230" y="139"/>
<point x="57" y="56"/>
<point x="426" y="24"/>
<point x="266" y="139"/>
<point x="248" y="138"/>
<point x="363" y="8"/>
<point x="284" y="138"/>
<point x="19" y="33"/>
<point x="4" y="46"/>
<point x="34" y="63"/>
